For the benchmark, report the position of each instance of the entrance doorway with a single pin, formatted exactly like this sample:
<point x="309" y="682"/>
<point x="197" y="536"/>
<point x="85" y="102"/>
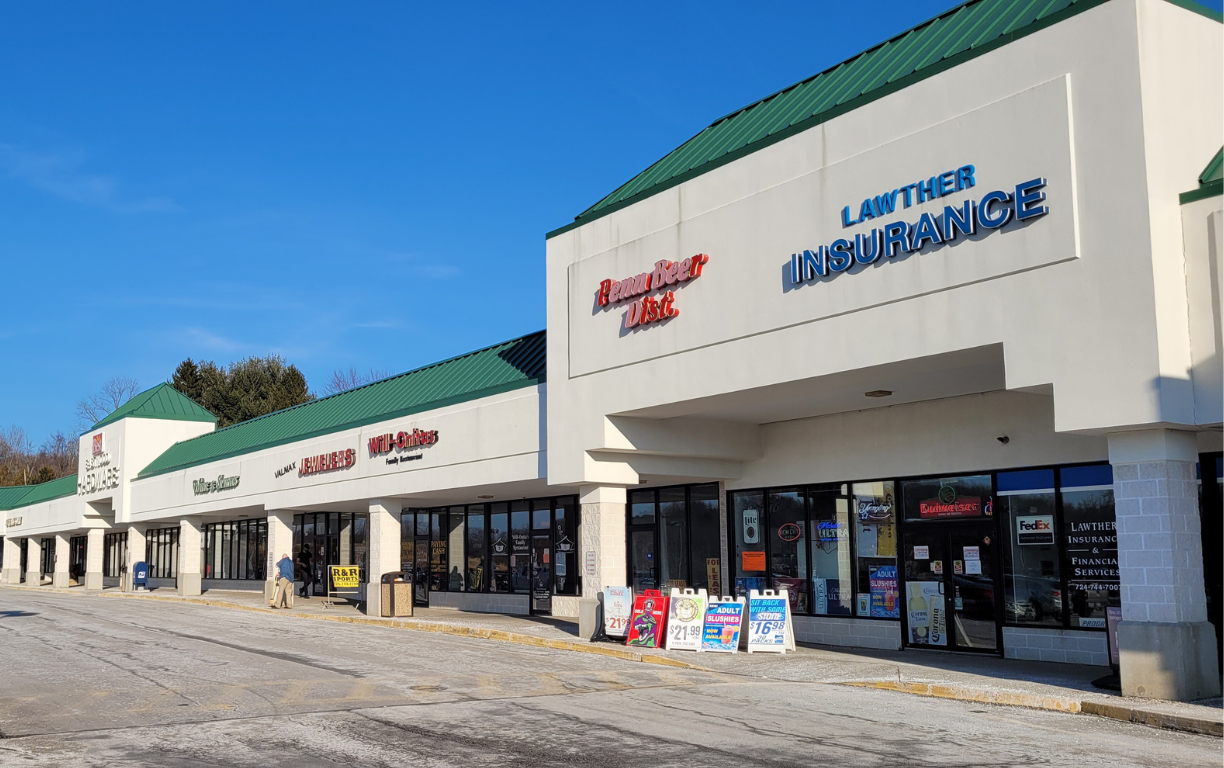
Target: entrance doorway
<point x="323" y="539"/>
<point x="951" y="595"/>
<point x="541" y="574"/>
<point x="76" y="558"/>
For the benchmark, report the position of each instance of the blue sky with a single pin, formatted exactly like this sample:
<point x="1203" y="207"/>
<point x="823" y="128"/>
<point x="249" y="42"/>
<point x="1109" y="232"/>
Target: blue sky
<point x="345" y="184"/>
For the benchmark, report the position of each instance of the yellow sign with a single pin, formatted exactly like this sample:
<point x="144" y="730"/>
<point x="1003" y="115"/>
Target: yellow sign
<point x="345" y="576"/>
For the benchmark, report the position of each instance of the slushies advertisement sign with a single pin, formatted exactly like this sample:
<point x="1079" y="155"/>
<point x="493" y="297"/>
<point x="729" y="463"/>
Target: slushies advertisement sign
<point x="723" y="619"/>
<point x="649" y="619"/>
<point x="933" y="229"/>
<point x="883" y="582"/>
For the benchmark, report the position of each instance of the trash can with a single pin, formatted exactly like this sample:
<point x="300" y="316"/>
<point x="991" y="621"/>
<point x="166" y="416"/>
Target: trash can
<point x="140" y="576"/>
<point x="396" y="595"/>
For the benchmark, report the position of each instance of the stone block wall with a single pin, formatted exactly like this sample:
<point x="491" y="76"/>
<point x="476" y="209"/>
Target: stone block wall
<point x="1068" y="646"/>
<point x="854" y="633"/>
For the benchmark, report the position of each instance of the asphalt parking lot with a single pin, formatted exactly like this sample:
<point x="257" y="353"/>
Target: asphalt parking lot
<point x="103" y="681"/>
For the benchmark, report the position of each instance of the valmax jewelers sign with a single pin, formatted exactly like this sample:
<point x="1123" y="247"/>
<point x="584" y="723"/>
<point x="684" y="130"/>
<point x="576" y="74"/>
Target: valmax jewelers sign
<point x="650" y="309"/>
<point x="970" y="218"/>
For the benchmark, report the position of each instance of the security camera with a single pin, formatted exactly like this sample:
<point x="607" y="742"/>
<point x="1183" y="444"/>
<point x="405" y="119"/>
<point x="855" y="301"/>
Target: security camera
<point x="1003" y="439"/>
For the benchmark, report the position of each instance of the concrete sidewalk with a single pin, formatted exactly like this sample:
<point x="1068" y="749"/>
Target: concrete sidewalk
<point x="989" y="680"/>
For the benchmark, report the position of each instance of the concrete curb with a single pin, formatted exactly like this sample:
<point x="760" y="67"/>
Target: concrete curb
<point x="1054" y="703"/>
<point x="481" y="633"/>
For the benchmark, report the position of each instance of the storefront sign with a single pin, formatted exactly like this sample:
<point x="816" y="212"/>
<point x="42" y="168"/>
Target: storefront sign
<point x="926" y="614"/>
<point x="345" y="577"/>
<point x="617" y="609"/>
<point x="769" y="622"/>
<point x="789" y="532"/>
<point x="12" y="522"/>
<point x="685" y="618"/>
<point x="1035" y="529"/>
<point x="970" y="218"/>
<point x="723" y="619"/>
<point x="326" y="462"/>
<point x="648" y="621"/>
<point x="222" y="483"/>
<point x="98" y="444"/>
<point x="99" y="473"/>
<point x="285" y="469"/>
<point x="649" y="309"/>
<point x="402" y="441"/>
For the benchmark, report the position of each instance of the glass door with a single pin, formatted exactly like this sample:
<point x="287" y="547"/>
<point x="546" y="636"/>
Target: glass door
<point x="950" y="591"/>
<point x="642" y="560"/>
<point x="420" y="571"/>
<point x="541" y="574"/>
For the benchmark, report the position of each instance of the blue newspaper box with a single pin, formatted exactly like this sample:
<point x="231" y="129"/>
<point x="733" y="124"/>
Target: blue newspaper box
<point x="140" y="575"/>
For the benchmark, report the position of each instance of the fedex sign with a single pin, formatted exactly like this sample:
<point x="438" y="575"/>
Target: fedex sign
<point x="1034" y="529"/>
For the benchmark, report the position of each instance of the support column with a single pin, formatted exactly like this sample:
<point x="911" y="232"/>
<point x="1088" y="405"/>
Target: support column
<point x="280" y="542"/>
<point x="384" y="549"/>
<point x="33" y="562"/>
<point x="59" y="579"/>
<point x="93" y="558"/>
<point x="189" y="556"/>
<point x="1166" y="647"/>
<point x="137" y="547"/>
<point x="12" y="561"/>
<point x="601" y="551"/>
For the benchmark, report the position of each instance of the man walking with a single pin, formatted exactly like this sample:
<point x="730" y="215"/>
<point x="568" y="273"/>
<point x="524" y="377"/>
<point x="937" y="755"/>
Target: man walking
<point x="284" y="583"/>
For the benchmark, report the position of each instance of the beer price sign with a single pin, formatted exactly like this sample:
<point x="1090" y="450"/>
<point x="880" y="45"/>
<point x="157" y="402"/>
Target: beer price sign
<point x="685" y="619"/>
<point x="618" y="608"/>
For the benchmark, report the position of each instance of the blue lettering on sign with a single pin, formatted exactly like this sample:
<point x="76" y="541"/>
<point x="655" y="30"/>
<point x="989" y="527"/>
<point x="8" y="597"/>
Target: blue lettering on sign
<point x="994" y="210"/>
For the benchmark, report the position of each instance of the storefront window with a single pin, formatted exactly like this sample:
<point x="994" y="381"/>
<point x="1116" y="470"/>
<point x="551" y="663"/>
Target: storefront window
<point x="407" y="541"/>
<point x="1090" y="542"/>
<point x="705" y="533"/>
<point x="832" y="581"/>
<point x="499" y="534"/>
<point x="750" y="568"/>
<point x="786" y="520"/>
<point x="520" y="541"/>
<point x="161" y="553"/>
<point x="673" y="538"/>
<point x="565" y="538"/>
<point x="876" y="552"/>
<point x="455" y="578"/>
<point x="641" y="508"/>
<point x="942" y="498"/>
<point x="1032" y="579"/>
<point x="236" y="550"/>
<point x="438" y="531"/>
<point x="476" y="548"/>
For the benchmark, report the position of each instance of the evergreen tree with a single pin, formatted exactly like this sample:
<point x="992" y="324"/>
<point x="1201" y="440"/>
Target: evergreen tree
<point x="187" y="379"/>
<point x="243" y="390"/>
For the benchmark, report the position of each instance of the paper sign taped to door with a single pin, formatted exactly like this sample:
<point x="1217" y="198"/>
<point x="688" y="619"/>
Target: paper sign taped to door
<point x="973" y="553"/>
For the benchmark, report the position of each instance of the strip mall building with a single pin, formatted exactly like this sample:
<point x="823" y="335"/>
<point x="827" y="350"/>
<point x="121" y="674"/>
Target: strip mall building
<point x="931" y="339"/>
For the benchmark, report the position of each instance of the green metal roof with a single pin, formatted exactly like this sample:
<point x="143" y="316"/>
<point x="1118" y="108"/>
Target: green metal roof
<point x="48" y="491"/>
<point x="160" y="402"/>
<point x="1214" y="170"/>
<point x="11" y="494"/>
<point x="500" y="368"/>
<point x="951" y="38"/>
<point x="1211" y="181"/>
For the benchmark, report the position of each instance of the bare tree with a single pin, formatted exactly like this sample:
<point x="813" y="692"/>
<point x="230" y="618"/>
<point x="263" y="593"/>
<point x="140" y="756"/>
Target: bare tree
<point x="60" y="453"/>
<point x="342" y="381"/>
<point x="16" y="456"/>
<point x="113" y="394"/>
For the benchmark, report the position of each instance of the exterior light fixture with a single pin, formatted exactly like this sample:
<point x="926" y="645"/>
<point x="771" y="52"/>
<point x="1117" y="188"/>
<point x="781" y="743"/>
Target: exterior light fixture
<point x="485" y="496"/>
<point x="878" y="393"/>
